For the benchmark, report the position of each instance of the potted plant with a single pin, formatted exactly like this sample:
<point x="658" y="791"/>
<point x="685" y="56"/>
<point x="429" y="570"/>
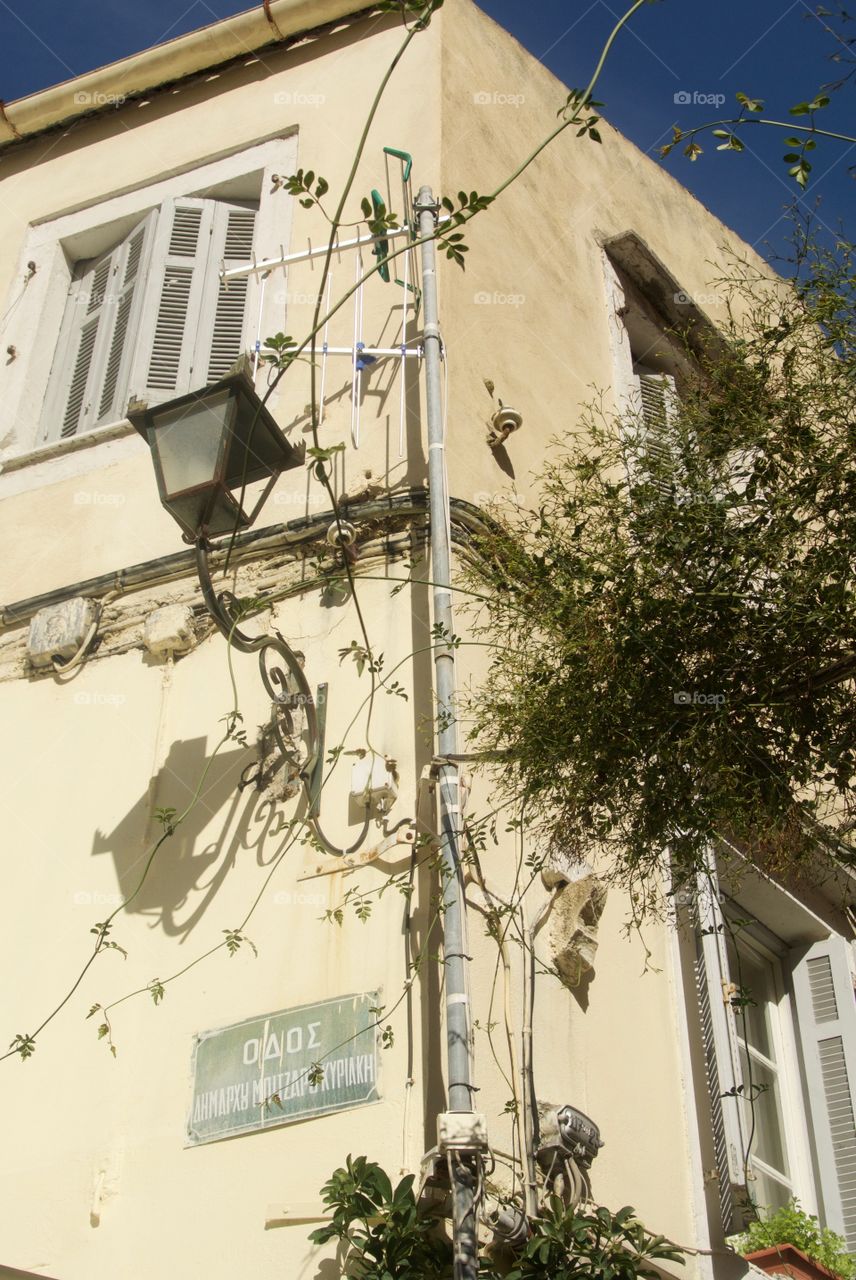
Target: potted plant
<point x="792" y="1242"/>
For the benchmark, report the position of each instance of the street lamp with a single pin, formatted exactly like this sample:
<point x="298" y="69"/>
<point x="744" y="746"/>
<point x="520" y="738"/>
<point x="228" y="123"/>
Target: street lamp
<point x="208" y="447"/>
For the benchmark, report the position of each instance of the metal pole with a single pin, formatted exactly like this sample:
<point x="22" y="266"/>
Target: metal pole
<point x="464" y="1164"/>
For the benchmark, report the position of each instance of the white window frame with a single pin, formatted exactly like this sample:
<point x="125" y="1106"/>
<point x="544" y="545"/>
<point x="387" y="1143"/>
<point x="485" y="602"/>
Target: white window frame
<point x="629" y="372"/>
<point x="812" y="1149"/>
<point x="55" y="243"/>
<point x="795" y="1138"/>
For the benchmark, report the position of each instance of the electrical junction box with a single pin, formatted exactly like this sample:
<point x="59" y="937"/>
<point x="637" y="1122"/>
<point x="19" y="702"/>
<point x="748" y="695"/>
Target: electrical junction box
<point x="567" y="1129"/>
<point x="374" y="784"/>
<point x="59" y="631"/>
<point x="461" y="1131"/>
<point x="169" y="630"/>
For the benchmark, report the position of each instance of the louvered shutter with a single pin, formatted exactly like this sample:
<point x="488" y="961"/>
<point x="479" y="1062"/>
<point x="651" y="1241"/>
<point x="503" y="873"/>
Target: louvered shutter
<point x="722" y="1061"/>
<point x="826" y="1013"/>
<point x="128" y="285"/>
<point x="174" y="298"/>
<point x="714" y="1089"/>
<point x="233" y="230"/>
<point x="194" y="329"/>
<point x="658" y="404"/>
<point x="90" y="367"/>
<point x="657" y="393"/>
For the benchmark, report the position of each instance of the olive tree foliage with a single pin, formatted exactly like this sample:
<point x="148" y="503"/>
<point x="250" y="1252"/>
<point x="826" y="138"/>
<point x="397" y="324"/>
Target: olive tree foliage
<point x="673" y="628"/>
<point x="803" y="125"/>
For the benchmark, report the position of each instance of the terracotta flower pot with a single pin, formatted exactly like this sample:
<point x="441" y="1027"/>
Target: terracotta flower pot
<point x="788" y="1260"/>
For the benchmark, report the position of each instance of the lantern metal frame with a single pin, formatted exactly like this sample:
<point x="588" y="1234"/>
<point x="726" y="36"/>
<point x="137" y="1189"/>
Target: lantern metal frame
<point x="251" y="447"/>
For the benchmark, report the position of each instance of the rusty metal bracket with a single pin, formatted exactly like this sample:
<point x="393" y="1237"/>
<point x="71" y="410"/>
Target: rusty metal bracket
<point x="398" y="843"/>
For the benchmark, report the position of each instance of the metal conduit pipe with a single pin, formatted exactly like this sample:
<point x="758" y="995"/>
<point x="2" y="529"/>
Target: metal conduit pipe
<point x="464" y="1165"/>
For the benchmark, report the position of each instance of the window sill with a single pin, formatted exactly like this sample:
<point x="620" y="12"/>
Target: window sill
<point x="74" y="444"/>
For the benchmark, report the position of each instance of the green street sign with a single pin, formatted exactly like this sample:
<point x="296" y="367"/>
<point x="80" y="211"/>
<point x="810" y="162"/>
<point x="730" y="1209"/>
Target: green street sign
<point x="283" y="1067"/>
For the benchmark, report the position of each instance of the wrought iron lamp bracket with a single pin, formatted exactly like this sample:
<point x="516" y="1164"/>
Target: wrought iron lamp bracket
<point x="285" y="683"/>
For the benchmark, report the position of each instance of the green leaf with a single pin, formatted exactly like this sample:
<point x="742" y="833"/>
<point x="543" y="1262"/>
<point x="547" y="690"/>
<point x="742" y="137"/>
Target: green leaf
<point x="24" y="1046"/>
<point x="324" y="455"/>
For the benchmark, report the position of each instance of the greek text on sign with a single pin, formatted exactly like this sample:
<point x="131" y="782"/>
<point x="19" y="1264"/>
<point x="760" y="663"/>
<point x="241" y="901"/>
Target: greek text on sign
<point x="283" y="1067"/>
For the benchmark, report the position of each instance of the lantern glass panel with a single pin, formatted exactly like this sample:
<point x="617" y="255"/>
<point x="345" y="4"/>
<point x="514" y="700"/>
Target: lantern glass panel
<point x="189" y="441"/>
<point x="256" y="447"/>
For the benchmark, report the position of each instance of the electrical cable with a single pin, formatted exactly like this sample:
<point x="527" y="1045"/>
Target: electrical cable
<point x="530" y="1107"/>
<point x="491" y="915"/>
<point x="335" y="850"/>
<point x="31" y="271"/>
<point x="408" y="981"/>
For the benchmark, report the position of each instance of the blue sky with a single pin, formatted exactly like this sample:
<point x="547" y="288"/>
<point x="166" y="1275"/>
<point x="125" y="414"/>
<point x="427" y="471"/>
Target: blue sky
<point x="770" y="49"/>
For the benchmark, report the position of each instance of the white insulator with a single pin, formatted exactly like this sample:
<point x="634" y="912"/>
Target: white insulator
<point x="343" y="534"/>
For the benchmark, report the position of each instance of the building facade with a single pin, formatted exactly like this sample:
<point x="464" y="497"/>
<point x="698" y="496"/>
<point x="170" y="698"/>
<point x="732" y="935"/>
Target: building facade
<point x="274" y="1005"/>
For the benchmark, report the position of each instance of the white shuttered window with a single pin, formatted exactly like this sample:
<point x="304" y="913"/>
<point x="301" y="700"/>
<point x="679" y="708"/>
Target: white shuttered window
<point x="151" y="318"/>
<point x="747" y="998"/>
<point x="93" y="355"/>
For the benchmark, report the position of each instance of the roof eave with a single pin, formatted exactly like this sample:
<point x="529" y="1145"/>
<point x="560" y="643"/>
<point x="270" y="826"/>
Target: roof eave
<point x="272" y="22"/>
